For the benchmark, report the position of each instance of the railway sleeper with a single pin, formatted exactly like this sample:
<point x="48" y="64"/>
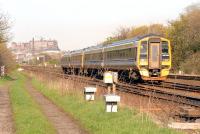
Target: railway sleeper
<point x="187" y="114"/>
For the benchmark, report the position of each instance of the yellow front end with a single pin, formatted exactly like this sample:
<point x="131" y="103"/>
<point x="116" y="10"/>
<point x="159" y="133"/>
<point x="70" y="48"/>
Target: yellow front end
<point x="166" y="63"/>
<point x="143" y="60"/>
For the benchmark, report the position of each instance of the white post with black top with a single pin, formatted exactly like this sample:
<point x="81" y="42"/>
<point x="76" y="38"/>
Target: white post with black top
<point x="111" y="102"/>
<point x="89" y="93"/>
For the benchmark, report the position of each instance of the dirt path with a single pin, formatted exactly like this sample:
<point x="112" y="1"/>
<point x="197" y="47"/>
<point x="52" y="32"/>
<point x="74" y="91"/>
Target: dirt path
<point x="6" y="122"/>
<point x="60" y="120"/>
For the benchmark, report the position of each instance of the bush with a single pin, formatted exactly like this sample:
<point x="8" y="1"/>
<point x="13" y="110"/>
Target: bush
<point x="6" y="58"/>
<point x="191" y="64"/>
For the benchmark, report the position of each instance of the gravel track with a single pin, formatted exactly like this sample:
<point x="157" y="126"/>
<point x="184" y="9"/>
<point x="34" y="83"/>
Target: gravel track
<point x="62" y="122"/>
<point x="6" y="122"/>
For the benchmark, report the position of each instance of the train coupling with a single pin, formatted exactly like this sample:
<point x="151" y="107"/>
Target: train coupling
<point x="154" y="72"/>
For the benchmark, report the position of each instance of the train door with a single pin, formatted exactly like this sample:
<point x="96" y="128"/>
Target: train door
<point x="154" y="55"/>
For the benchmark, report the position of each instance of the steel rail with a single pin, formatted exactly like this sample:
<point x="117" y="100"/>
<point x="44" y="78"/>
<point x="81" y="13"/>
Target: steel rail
<point x="176" y="86"/>
<point x="184" y="77"/>
<point x="133" y="88"/>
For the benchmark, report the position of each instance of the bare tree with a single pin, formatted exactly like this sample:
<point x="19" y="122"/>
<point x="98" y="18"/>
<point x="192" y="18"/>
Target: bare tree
<point x="4" y="28"/>
<point x="122" y="33"/>
<point x="6" y="57"/>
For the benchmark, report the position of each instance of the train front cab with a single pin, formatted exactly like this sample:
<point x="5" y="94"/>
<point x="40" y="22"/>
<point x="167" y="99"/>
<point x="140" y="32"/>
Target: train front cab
<point x="154" y="58"/>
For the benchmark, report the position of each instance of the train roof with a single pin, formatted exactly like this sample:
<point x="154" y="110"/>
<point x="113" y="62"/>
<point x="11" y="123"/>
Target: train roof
<point x="100" y="46"/>
<point x="134" y="39"/>
<point x="116" y="43"/>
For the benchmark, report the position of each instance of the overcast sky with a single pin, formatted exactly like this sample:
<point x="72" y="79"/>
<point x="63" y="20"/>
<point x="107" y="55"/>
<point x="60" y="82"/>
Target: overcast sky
<point x="79" y="23"/>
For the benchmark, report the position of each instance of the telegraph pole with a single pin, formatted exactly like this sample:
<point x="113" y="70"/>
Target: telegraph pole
<point x="33" y="47"/>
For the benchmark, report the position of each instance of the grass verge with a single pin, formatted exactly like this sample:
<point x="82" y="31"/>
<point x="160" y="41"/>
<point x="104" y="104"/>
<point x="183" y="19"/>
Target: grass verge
<point x="93" y="117"/>
<point x="27" y="115"/>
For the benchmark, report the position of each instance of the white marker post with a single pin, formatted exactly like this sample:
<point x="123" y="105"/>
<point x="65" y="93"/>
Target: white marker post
<point x="111" y="102"/>
<point x="89" y="93"/>
<point x="2" y="71"/>
<point x="110" y="78"/>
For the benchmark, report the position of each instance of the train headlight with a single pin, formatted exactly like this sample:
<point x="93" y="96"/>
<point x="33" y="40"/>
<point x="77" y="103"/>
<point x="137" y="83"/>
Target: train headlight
<point x="143" y="60"/>
<point x="165" y="59"/>
<point x="144" y="72"/>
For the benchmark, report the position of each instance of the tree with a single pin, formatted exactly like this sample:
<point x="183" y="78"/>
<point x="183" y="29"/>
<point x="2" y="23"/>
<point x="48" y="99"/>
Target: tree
<point x="109" y="40"/>
<point x="184" y="34"/>
<point x="120" y="34"/>
<point x="125" y="33"/>
<point x="158" y="29"/>
<point x="138" y="31"/>
<point x="4" y="27"/>
<point x="6" y="57"/>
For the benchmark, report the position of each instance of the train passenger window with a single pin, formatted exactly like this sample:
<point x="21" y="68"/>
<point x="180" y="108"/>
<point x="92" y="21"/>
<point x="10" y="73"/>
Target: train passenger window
<point x="143" y="50"/>
<point x="165" y="50"/>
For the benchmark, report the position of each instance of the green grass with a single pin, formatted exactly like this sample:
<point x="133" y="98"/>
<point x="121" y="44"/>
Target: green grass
<point x="27" y="115"/>
<point x="93" y="117"/>
<point x="4" y="80"/>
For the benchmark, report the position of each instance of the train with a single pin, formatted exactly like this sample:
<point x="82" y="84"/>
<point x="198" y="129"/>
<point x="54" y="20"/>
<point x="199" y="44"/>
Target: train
<point x="146" y="58"/>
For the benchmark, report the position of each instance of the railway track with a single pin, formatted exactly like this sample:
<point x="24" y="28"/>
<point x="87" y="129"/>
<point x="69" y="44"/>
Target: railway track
<point x="183" y="86"/>
<point x="176" y="86"/>
<point x="184" y="77"/>
<point x="133" y="88"/>
<point x="159" y="94"/>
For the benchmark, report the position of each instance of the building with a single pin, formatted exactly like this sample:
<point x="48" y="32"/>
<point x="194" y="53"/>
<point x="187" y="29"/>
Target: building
<point x="25" y="51"/>
<point x="41" y="45"/>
